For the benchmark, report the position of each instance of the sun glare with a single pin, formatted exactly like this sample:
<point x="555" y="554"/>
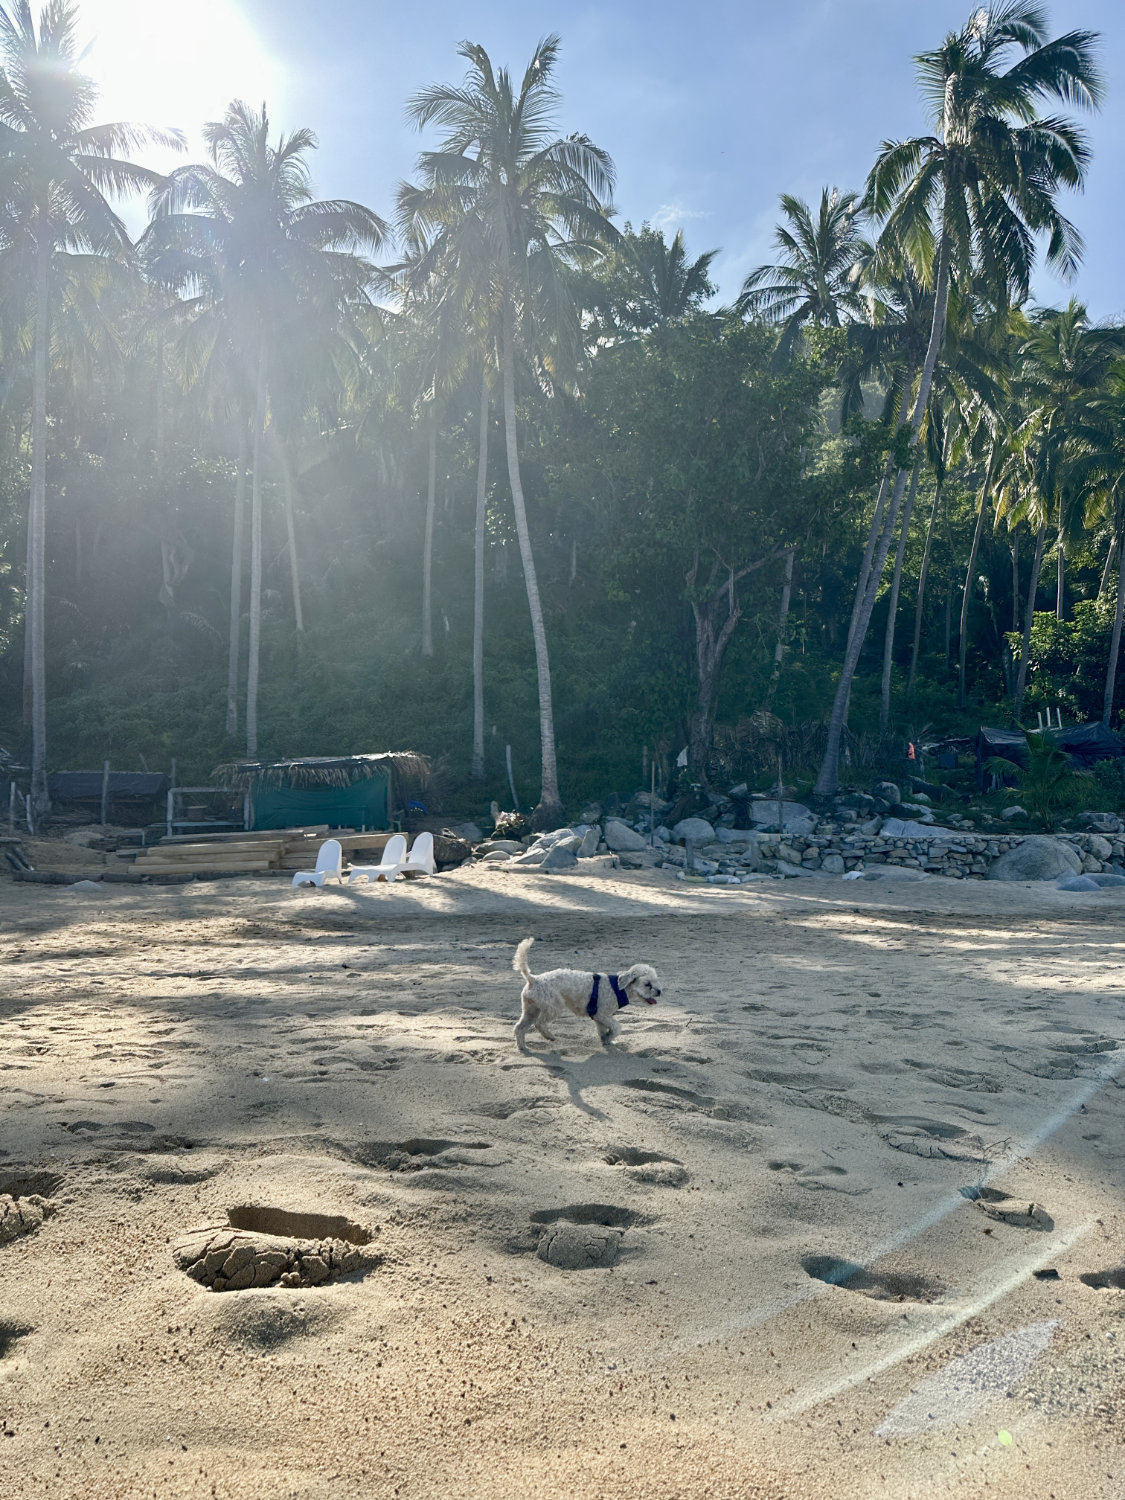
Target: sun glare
<point x="157" y="63"/>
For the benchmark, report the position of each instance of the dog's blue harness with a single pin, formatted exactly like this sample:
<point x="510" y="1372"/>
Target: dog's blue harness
<point x="618" y="994"/>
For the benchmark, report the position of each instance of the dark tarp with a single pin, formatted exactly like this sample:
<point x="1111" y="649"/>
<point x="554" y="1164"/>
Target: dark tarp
<point x="86" y="786"/>
<point x="1084" y="743"/>
<point x="1009" y="743"/>
<point x="1087" y="743"/>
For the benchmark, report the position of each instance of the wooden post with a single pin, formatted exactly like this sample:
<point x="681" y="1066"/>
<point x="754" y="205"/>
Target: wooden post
<point x="780" y="803"/>
<point x="105" y="793"/>
<point x="27" y="815"/>
<point x="171" y="809"/>
<point x="652" y="808"/>
<point x="11" y="807"/>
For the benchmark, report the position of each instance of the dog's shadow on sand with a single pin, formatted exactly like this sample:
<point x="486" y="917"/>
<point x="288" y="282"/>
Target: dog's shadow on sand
<point x="597" y="1070"/>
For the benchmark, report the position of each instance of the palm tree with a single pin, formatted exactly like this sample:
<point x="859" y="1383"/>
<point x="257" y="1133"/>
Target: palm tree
<point x="644" y="285"/>
<point x="973" y="196"/>
<point x="55" y="170"/>
<point x="509" y="210"/>
<point x="1064" y="363"/>
<point x="817" y="279"/>
<point x="271" y="272"/>
<point x="1099" y="477"/>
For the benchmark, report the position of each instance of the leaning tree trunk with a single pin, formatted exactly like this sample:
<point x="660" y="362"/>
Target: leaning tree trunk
<point x="967" y="595"/>
<point x="1028" y="621"/>
<point x="919" y="603"/>
<point x="782" y="627"/>
<point x="36" y="542"/>
<point x="428" y="547"/>
<point x="829" y="778"/>
<point x="549" y="812"/>
<point x="253" y="653"/>
<point x="476" y="770"/>
<point x="1114" y="645"/>
<point x="234" y="643"/>
<point x="892" y="613"/>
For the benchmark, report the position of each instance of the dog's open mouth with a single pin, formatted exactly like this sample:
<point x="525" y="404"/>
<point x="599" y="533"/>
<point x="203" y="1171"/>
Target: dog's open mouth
<point x="647" y="1001"/>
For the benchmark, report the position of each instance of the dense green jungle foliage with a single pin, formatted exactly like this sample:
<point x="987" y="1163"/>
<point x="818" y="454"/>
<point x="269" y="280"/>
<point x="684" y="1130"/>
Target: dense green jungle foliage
<point x="700" y="489"/>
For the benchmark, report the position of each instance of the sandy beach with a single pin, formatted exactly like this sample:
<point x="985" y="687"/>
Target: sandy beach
<point x="861" y="1120"/>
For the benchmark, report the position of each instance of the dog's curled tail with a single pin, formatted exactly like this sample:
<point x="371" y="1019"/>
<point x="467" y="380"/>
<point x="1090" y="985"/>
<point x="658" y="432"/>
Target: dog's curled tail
<point x="519" y="963"/>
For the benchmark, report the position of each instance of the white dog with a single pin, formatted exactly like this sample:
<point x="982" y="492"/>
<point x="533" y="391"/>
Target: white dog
<point x="599" y="996"/>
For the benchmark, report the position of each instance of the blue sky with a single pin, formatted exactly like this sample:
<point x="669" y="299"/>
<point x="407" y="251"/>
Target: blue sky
<point x="709" y="111"/>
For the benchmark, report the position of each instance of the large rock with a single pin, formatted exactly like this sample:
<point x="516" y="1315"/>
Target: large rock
<point x="1040" y="858"/>
<point x="796" y="819"/>
<point x="590" y="841"/>
<point x="468" y="831"/>
<point x="620" y="837"/>
<point x="887" y="790"/>
<point x="560" y="857"/>
<point x="1101" y="822"/>
<point x="832" y="864"/>
<point x="1099" y="847"/>
<point x="694" y="831"/>
<point x="1013" y="812"/>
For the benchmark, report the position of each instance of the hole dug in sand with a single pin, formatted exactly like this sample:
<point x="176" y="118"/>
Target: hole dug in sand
<point x="264" y="1246"/>
<point x="1017" y="1212"/>
<point x="882" y="1285"/>
<point x="416" y="1153"/>
<point x="10" y="1334"/>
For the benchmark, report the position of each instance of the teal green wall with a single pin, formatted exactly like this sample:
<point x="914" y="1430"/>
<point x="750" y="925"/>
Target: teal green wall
<point x="364" y="804"/>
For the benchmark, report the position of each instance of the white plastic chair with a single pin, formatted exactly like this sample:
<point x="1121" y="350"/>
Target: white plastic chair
<point x="420" y="860"/>
<point x="329" y="865"/>
<point x="393" y="858"/>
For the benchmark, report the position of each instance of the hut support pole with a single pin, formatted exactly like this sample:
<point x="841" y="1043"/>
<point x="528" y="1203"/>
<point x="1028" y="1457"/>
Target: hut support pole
<point x="105" y="793"/>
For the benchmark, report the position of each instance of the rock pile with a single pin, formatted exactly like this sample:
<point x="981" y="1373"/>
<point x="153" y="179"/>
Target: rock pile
<point x="857" y="832"/>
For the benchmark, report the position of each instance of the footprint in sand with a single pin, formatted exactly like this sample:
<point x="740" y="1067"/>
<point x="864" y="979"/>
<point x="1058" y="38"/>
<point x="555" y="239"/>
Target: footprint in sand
<point x="419" y="1152"/>
<point x="11" y="1331"/>
<point x="882" y="1283"/>
<point x="20" y="1216"/>
<point x="647" y="1166"/>
<point x="685" y="1097"/>
<point x="1019" y="1213"/>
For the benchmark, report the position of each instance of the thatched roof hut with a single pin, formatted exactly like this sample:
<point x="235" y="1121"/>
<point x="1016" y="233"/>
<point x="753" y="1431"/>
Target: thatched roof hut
<point x="344" y="791"/>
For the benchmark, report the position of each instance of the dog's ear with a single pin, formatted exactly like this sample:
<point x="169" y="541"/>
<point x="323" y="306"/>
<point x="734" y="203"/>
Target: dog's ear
<point x="630" y="976"/>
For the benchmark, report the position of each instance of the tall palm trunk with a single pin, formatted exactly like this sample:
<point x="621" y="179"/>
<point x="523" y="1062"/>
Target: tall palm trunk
<point x="36" y="540"/>
<point x="291" y="535"/>
<point x="782" y="627"/>
<point x="428" y="548"/>
<point x="967" y="595"/>
<point x="892" y="612"/>
<point x="234" y="643"/>
<point x="919" y="603"/>
<point x="1107" y="570"/>
<point x="550" y="808"/>
<point x="476" y="770"/>
<point x="829" y="778"/>
<point x="1114" y="644"/>
<point x="1060" y="579"/>
<point x="253" y="652"/>
<point x="1015" y="580"/>
<point x="1028" y="621"/>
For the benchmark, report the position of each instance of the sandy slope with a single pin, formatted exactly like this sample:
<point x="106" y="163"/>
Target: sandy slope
<point x="829" y="1064"/>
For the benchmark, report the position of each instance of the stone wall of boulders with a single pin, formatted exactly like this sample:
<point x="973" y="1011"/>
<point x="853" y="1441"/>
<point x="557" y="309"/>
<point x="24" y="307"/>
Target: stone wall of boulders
<point x="857" y="832"/>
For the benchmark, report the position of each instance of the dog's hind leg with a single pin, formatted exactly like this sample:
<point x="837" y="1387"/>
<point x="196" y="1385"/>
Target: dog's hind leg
<point x="542" y="1030"/>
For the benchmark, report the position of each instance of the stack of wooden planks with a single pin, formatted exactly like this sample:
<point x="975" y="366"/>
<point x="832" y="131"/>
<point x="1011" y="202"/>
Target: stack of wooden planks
<point x="283" y="850"/>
